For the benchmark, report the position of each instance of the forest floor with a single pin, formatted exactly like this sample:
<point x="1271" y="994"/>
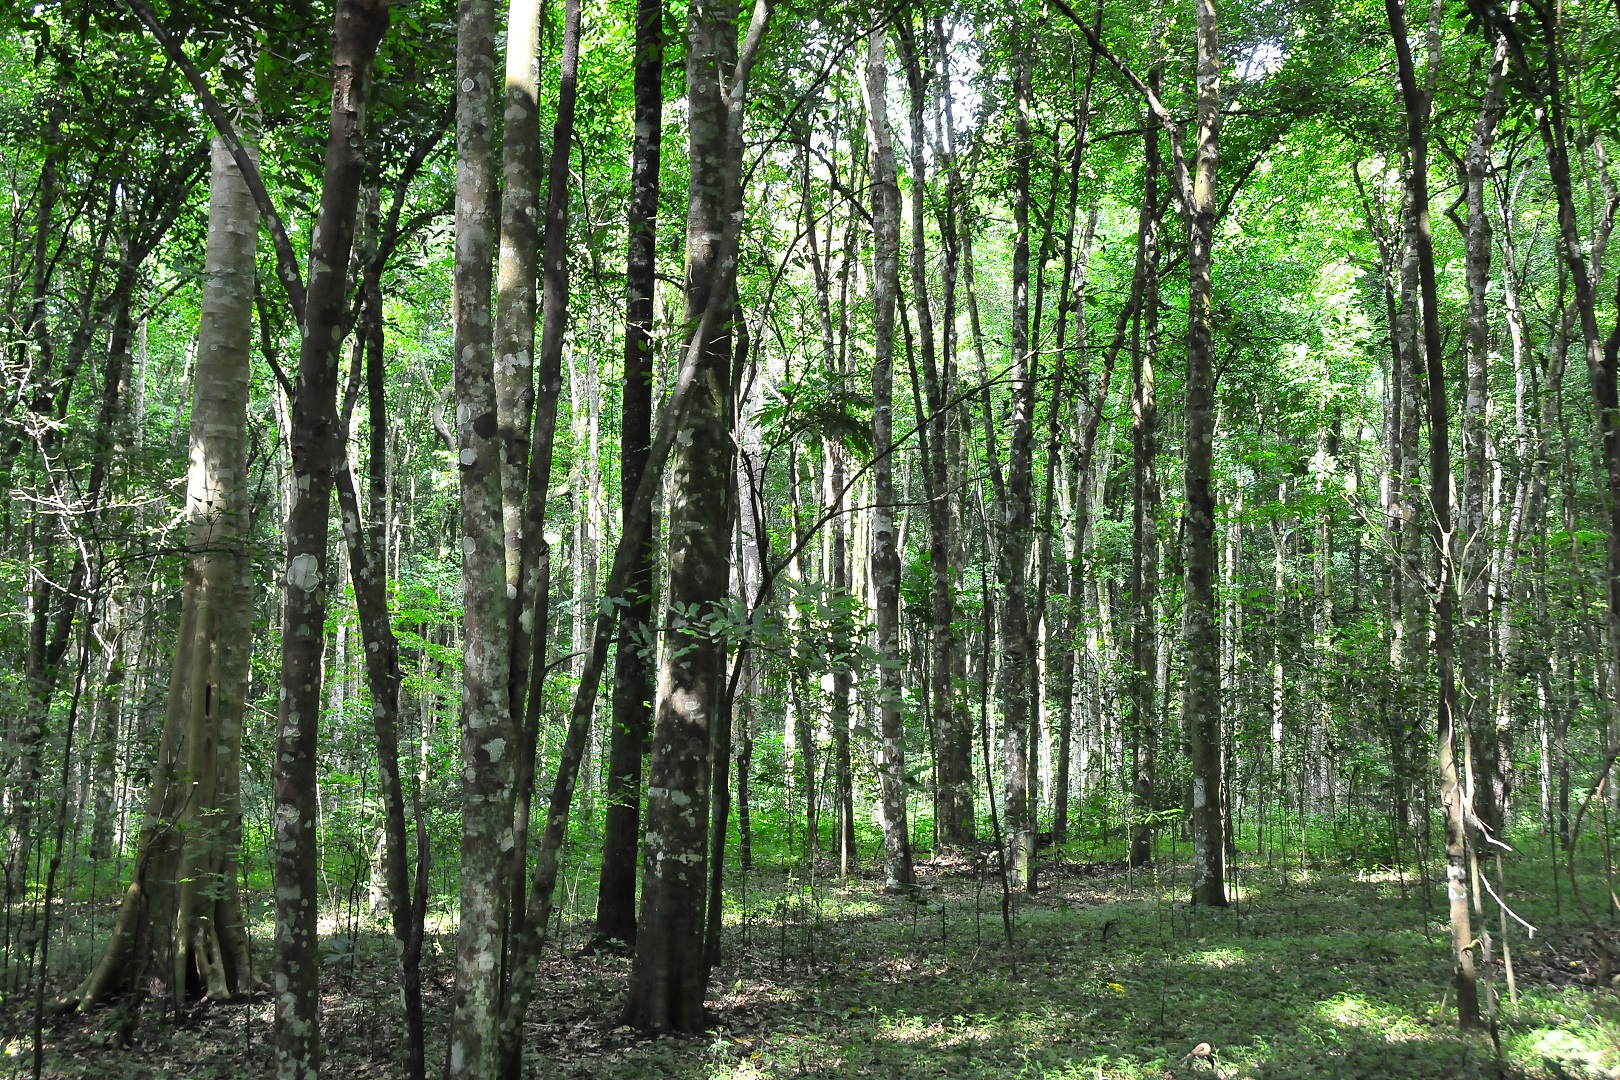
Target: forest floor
<point x="1328" y="973"/>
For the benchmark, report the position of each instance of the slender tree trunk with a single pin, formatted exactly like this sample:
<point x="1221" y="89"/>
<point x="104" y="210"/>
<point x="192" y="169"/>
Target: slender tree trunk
<point x="488" y="735"/>
<point x="1452" y="797"/>
<point x="530" y="615"/>
<point x="1017" y="509"/>
<point x="885" y="557"/>
<point x="1142" y="722"/>
<point x="1201" y="702"/>
<point x="953" y="817"/>
<point x="513" y="374"/>
<point x="633" y="669"/>
<point x="1472" y="539"/>
<point x="368" y="561"/>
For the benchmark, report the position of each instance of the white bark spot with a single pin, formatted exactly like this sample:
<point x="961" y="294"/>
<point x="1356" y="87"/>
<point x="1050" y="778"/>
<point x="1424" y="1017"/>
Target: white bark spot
<point x="469" y="456"/>
<point x="495" y="748"/>
<point x="469" y="546"/>
<point x="511" y="591"/>
<point x="1200" y="797"/>
<point x="304" y="572"/>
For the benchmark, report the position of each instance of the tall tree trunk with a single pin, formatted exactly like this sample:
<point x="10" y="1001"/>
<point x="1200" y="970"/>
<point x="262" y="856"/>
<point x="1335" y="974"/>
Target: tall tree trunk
<point x="531" y="611"/>
<point x="1474" y="633"/>
<point x="1452" y="798"/>
<point x="885" y="557"/>
<point x="633" y="669"/>
<point x="671" y="971"/>
<point x="317" y="448"/>
<point x="178" y="921"/>
<point x="513" y="374"/>
<point x="368" y="561"/>
<point x="841" y="650"/>
<point x="1142" y="722"/>
<point x="1201" y="701"/>
<point x="1017" y="508"/>
<point x="488" y="735"/>
<point x="953" y="817"/>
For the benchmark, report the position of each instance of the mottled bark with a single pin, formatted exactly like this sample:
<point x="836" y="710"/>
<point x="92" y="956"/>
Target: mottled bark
<point x="1017" y="508"/>
<point x="885" y="557"/>
<point x="633" y="668"/>
<point x="530" y="611"/>
<point x="1143" y="693"/>
<point x="1477" y="681"/>
<point x="671" y="971"/>
<point x="488" y="733"/>
<point x="317" y="448"/>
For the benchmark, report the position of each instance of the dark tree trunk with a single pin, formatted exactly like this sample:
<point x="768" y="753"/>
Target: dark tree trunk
<point x="633" y="669"/>
<point x="1017" y="508"/>
<point x="317" y="448"/>
<point x="1142" y="722"/>
<point x="1452" y="798"/>
<point x="671" y="971"/>
<point x="1201" y="700"/>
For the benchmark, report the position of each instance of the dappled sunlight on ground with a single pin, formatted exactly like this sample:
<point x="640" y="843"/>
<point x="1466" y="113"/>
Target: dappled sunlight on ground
<point x="1113" y="976"/>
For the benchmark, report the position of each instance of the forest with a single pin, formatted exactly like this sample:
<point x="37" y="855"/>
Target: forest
<point x="683" y="538"/>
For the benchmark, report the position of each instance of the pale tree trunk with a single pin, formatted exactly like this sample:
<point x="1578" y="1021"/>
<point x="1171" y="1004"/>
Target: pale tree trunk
<point x="885" y="558"/>
<point x="179" y="921"/>
<point x="1452" y="797"/>
<point x="531" y="611"/>
<point x="955" y="748"/>
<point x="488" y="734"/>
<point x="513" y="369"/>
<point x="1142" y="721"/>
<point x="1472" y="540"/>
<point x="633" y="669"/>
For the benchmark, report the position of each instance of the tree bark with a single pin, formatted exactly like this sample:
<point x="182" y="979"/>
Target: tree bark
<point x="317" y="448"/>
<point x="1472" y="539"/>
<point x="488" y="733"/>
<point x="1452" y="798"/>
<point x="885" y="557"/>
<point x="1142" y="722"/>
<point x="633" y="669"/>
<point x="1201" y="694"/>
<point x="1017" y="508"/>
<point x="179" y="921"/>
<point x="671" y="971"/>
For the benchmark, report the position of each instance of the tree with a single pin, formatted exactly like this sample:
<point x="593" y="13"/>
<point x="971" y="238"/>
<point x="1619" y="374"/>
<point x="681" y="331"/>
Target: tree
<point x="181" y="921"/>
<point x="633" y="669"/>
<point x="885" y="559"/>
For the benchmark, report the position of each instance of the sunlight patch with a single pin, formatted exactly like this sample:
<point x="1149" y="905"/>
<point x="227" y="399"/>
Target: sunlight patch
<point x="1353" y="1011"/>
<point x="1217" y="958"/>
<point x="1577" y="1052"/>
